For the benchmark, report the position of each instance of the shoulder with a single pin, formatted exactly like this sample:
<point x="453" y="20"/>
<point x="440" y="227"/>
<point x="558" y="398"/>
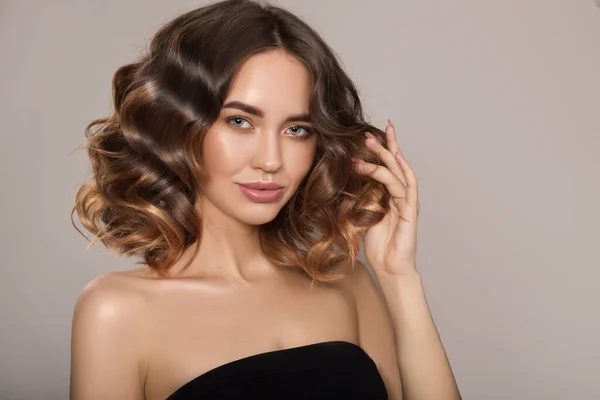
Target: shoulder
<point x="110" y="298"/>
<point x="107" y="340"/>
<point x="358" y="281"/>
<point x="375" y="328"/>
<point x="110" y="311"/>
<point x="115" y="304"/>
<point x="361" y="285"/>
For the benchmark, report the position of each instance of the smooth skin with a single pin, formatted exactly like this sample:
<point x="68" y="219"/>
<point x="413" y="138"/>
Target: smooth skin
<point x="391" y="249"/>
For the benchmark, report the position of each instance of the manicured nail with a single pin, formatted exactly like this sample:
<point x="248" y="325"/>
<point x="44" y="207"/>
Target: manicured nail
<point x="390" y="123"/>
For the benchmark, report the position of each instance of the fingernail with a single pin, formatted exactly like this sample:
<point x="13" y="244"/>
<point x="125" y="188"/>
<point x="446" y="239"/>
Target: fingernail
<point x="368" y="135"/>
<point x="390" y="123"/>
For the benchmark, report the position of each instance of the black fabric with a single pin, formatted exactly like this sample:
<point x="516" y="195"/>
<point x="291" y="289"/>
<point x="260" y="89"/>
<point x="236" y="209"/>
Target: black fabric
<point x="327" y="370"/>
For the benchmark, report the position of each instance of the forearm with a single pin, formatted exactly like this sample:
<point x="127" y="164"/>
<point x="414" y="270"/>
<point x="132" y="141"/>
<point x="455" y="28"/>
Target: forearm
<point x="424" y="367"/>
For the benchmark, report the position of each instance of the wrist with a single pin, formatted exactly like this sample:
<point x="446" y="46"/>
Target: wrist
<point x="403" y="274"/>
<point x="404" y="283"/>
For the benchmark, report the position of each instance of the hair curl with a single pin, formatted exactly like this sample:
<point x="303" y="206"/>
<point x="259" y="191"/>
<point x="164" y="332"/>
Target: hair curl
<point x="147" y="175"/>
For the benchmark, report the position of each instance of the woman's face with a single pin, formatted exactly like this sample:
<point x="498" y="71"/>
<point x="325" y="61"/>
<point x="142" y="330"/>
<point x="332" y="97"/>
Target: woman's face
<point x="263" y="134"/>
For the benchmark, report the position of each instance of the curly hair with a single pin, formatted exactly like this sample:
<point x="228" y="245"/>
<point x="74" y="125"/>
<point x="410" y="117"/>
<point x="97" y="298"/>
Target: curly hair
<point x="147" y="173"/>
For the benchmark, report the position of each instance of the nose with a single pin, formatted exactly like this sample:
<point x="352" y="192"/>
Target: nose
<point x="268" y="155"/>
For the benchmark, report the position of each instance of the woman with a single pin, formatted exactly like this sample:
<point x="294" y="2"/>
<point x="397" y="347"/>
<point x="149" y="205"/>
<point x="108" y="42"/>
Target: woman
<point x="238" y="167"/>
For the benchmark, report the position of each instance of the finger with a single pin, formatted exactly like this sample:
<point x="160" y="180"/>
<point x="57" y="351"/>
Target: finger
<point x="386" y="156"/>
<point x="391" y="137"/>
<point x="411" y="180"/>
<point x="393" y="147"/>
<point x="381" y="174"/>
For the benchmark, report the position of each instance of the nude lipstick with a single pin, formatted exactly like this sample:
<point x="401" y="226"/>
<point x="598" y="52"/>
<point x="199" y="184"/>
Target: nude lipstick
<point x="261" y="191"/>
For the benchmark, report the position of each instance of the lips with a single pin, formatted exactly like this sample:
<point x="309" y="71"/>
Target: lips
<point x="262" y="185"/>
<point x="261" y="192"/>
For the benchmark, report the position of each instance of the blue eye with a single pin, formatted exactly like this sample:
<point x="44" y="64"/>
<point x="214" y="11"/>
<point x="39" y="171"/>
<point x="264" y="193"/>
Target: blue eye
<point x="295" y="130"/>
<point x="238" y="122"/>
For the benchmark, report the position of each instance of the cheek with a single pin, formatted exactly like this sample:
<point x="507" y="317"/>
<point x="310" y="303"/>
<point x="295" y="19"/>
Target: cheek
<point x="300" y="160"/>
<point x="220" y="153"/>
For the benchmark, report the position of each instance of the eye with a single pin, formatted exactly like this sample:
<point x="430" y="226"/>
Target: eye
<point x="297" y="130"/>
<point x="238" y="122"/>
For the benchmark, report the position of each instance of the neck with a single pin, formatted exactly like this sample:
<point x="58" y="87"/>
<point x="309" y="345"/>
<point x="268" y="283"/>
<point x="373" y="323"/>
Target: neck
<point x="229" y="251"/>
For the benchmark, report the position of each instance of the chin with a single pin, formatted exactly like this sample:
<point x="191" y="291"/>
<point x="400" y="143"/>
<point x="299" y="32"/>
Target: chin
<point x="257" y="220"/>
<point x="258" y="214"/>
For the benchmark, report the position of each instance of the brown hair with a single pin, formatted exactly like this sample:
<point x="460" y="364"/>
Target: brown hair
<point x="147" y="175"/>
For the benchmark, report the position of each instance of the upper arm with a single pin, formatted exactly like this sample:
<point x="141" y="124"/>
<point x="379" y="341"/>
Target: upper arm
<point x="105" y="342"/>
<point x="376" y="331"/>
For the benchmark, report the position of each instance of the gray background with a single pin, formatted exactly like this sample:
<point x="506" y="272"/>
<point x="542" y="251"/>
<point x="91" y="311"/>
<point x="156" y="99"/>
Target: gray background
<point x="497" y="107"/>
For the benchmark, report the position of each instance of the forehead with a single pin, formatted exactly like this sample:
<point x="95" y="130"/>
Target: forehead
<point x="274" y="81"/>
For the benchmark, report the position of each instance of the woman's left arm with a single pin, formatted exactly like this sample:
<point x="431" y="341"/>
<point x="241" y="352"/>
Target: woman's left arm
<point x="390" y="249"/>
<point x="424" y="367"/>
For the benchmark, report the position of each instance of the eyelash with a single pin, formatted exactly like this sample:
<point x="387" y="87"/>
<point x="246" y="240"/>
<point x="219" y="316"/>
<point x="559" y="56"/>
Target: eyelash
<point x="309" y="131"/>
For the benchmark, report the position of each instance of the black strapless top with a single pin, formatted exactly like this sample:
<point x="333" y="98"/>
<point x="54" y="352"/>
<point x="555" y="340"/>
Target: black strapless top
<point x="327" y="370"/>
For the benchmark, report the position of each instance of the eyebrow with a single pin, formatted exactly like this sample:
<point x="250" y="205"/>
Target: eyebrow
<point x="247" y="108"/>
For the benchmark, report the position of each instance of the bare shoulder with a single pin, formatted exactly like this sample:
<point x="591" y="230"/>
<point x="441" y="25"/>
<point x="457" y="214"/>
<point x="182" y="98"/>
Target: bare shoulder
<point x="107" y="341"/>
<point x="359" y="283"/>
<point x="111" y="296"/>
<point x="376" y="331"/>
<point x="355" y="276"/>
<point x="114" y="307"/>
<point x="114" y="299"/>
